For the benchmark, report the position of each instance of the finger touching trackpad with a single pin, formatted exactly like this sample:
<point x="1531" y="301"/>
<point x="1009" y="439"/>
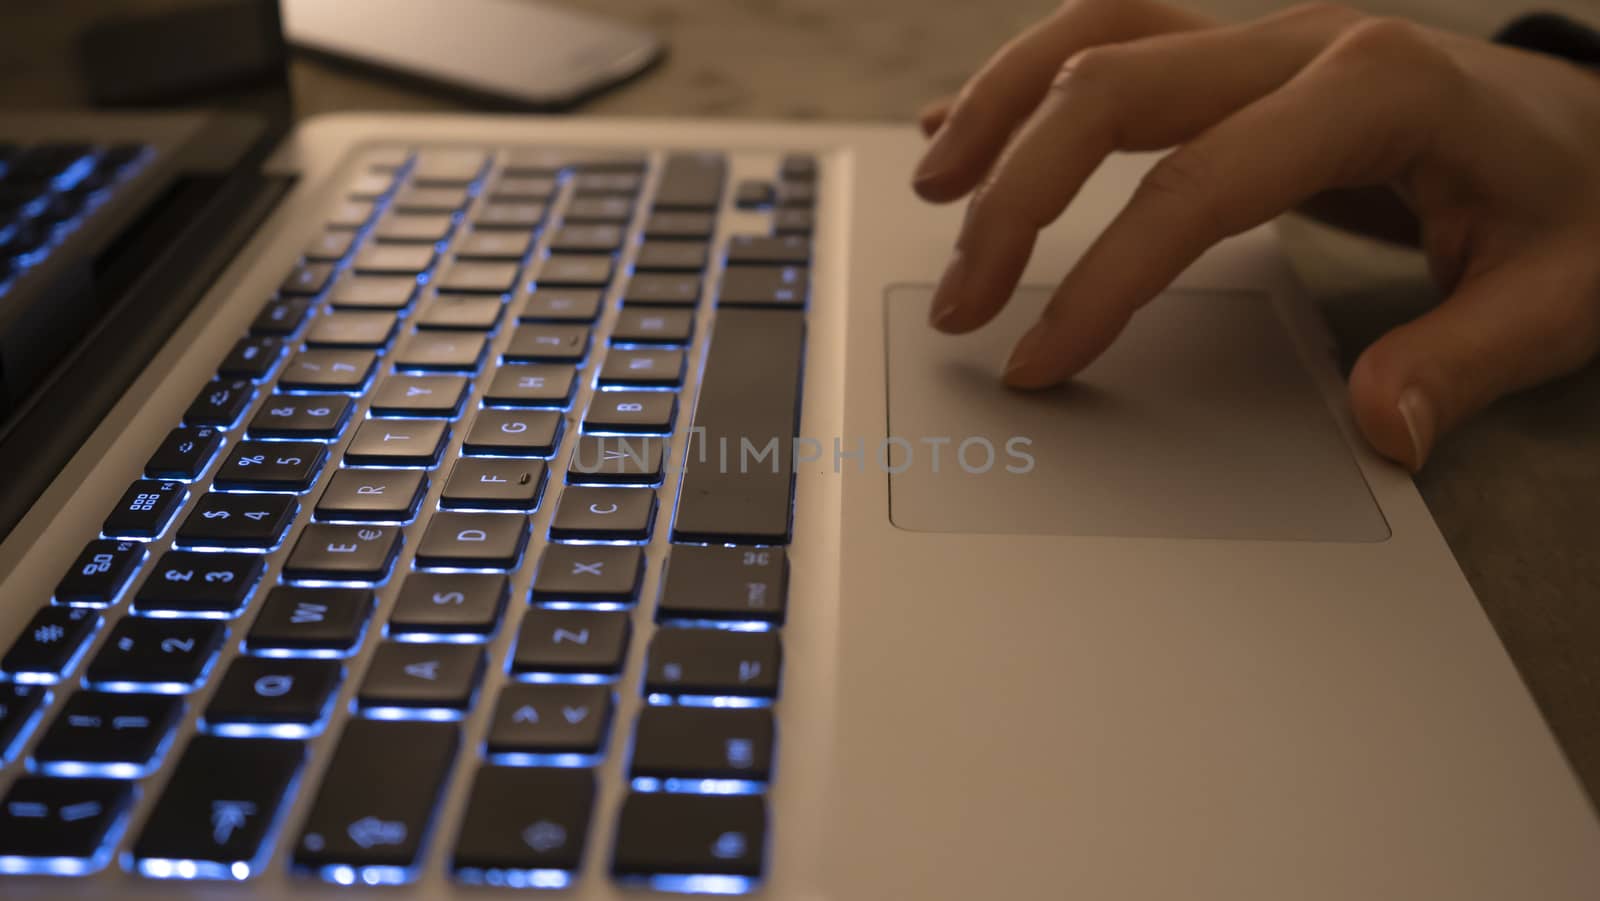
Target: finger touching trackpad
<point x="1200" y="422"/>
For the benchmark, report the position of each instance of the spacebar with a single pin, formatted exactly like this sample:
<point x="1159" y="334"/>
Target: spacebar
<point x="738" y="476"/>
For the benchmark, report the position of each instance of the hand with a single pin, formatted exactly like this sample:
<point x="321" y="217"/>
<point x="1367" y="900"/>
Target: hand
<point x="1495" y="150"/>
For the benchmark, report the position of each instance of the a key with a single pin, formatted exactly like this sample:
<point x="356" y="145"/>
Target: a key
<point x="427" y="228"/>
<point x="473" y="540"/>
<point x="561" y="305"/>
<point x="798" y="167"/>
<point x="556" y="343"/>
<point x="514" y="433"/>
<point x="419" y="395"/>
<point x="292" y="416"/>
<point x="216" y="812"/>
<point x="713" y="662"/>
<point x="68" y="822"/>
<point x="521" y="215"/>
<point x="531" y="385"/>
<point x="520" y="819"/>
<point x="184" y="454"/>
<point x="259" y="691"/>
<point x="414" y="442"/>
<point x="296" y="620"/>
<point x="374" y="806"/>
<point x="550" y="719"/>
<point x="753" y="194"/>
<point x="448" y="167"/>
<point x="328" y="370"/>
<point x="574" y="270"/>
<point x="394" y="259"/>
<point x="725" y="583"/>
<point x="703" y="743"/>
<point x="352" y="329"/>
<point x="600" y="209"/>
<point x="671" y="256"/>
<point x="102" y="570"/>
<point x="478" y="483"/>
<point x="280" y="316"/>
<point x="373" y="495"/>
<point x="649" y="325"/>
<point x="478" y="277"/>
<point x="596" y="238"/>
<point x="106" y="734"/>
<point x="271" y="466"/>
<point x="430" y="200"/>
<point x="684" y="226"/>
<point x="192" y="582"/>
<point x="793" y="221"/>
<point x="782" y="250"/>
<point x="604" y="514"/>
<point x="167" y="655"/>
<point x="523" y="187"/>
<point x="344" y="553"/>
<point x="18" y="704"/>
<point x="664" y="833"/>
<point x="220" y="403"/>
<point x="661" y="289"/>
<point x="145" y="509"/>
<point x="255" y="521"/>
<point x="352" y="214"/>
<point x="691" y="181"/>
<point x="572" y="641"/>
<point x="587" y="573"/>
<point x="749" y="394"/>
<point x="375" y="292"/>
<point x="252" y="358"/>
<point x="608" y="182"/>
<point x="462" y="312"/>
<point x="449" y="603"/>
<point x="331" y="246"/>
<point x="632" y="412"/>
<point x="494" y="244"/>
<point x="49" y="643"/>
<point x="764" y="286"/>
<point x="431" y="676"/>
<point x="613" y="460"/>
<point x="435" y="351"/>
<point x="306" y="279"/>
<point x="642" y="368"/>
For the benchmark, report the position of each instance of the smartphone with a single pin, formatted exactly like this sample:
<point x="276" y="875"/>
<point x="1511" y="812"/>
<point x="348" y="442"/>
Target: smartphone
<point x="523" y="53"/>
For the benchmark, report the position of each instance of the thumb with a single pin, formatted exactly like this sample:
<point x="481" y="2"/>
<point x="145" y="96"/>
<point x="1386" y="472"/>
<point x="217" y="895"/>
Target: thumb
<point x="1504" y="329"/>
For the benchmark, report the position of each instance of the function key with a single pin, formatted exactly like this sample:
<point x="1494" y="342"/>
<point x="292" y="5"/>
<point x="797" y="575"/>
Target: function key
<point x="100" y="573"/>
<point x="666" y="834"/>
<point x="281" y="316"/>
<point x="425" y="228"/>
<point x="514" y="433"/>
<point x="453" y="603"/>
<point x="397" y="442"/>
<point x="632" y="412"/>
<point x="725" y="583"/>
<point x="550" y="719"/>
<point x="145" y="509"/>
<point x="691" y="181"/>
<point x="441" y="352"/>
<point x="671" y="256"/>
<point x="588" y="573"/>
<point x="574" y="270"/>
<point x="307" y="279"/>
<point x="561" y="305"/>
<point x="624" y="368"/>
<point x="373" y="292"/>
<point x="764" y="286"/>
<point x="258" y="692"/>
<point x="478" y="277"/>
<point x="216" y="812"/>
<point x="703" y="743"/>
<point x="555" y="343"/>
<point x="374" y="807"/>
<point x="379" y="495"/>
<point x="604" y="514"/>
<point x="600" y="209"/>
<point x="494" y="244"/>
<point x="521" y="819"/>
<point x="473" y="541"/>
<point x="343" y="553"/>
<point x="430" y="199"/>
<point x="68" y="825"/>
<point x="419" y="395"/>
<point x="531" y="385"/>
<point x="271" y="465"/>
<point x="190" y="582"/>
<point x="298" y="416"/>
<point x="331" y="246"/>
<point x="487" y="483"/>
<point x="328" y="370"/>
<point x="49" y="644"/>
<point x="252" y="358"/>
<point x="310" y="621"/>
<point x="426" y="676"/>
<point x="680" y="226"/>
<point x="659" y="289"/>
<point x="107" y="734"/>
<point x="798" y="167"/>
<point x="184" y="454"/>
<point x="713" y="662"/>
<point x="754" y="194"/>
<point x="352" y="329"/>
<point x="18" y="704"/>
<point x="448" y="167"/>
<point x="160" y="655"/>
<point x="253" y="521"/>
<point x="606" y="460"/>
<point x="461" y="312"/>
<point x="788" y="249"/>
<point x="572" y="641"/>
<point x="643" y="325"/>
<point x="220" y="403"/>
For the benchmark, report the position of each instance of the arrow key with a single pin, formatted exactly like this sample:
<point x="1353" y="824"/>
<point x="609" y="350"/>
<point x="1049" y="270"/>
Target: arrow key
<point x="550" y="719"/>
<point x="432" y="676"/>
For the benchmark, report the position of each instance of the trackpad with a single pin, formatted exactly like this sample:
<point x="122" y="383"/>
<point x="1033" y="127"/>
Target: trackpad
<point x="1200" y="422"/>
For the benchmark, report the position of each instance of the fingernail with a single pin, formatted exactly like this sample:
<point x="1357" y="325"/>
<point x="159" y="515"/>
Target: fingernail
<point x="1027" y="349"/>
<point x="947" y="297"/>
<point x="1417" y="413"/>
<point x="933" y="164"/>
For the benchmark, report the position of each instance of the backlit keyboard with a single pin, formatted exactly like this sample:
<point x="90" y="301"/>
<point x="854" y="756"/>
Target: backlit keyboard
<point x="396" y="550"/>
<point x="46" y="192"/>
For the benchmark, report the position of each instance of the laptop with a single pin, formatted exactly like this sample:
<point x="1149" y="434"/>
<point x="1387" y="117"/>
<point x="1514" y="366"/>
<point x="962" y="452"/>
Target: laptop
<point x="461" y="506"/>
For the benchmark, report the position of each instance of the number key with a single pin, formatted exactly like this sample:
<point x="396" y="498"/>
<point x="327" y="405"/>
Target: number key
<point x="163" y="655"/>
<point x="256" y="521"/>
<point x="200" y="582"/>
<point x="291" y="416"/>
<point x="271" y="465"/>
